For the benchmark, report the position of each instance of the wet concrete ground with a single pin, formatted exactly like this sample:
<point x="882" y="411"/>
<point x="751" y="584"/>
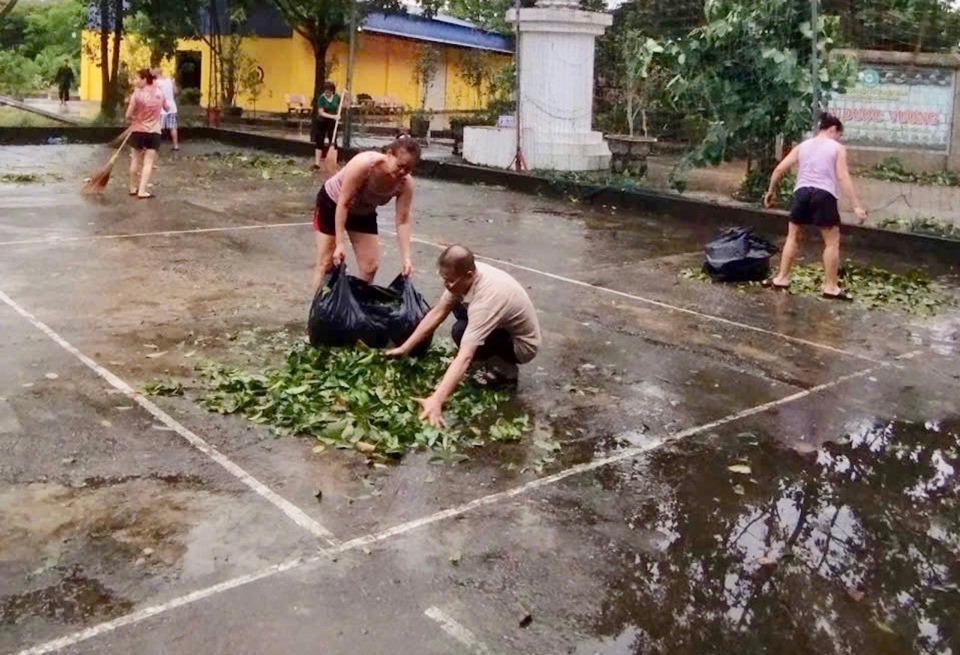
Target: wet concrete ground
<point x="835" y="531"/>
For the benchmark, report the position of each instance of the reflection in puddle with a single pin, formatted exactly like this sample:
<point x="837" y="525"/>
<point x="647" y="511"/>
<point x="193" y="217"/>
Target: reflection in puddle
<point x="850" y="549"/>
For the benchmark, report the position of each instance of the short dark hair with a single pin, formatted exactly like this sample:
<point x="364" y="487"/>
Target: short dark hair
<point x="329" y="86"/>
<point x="828" y="120"/>
<point x="458" y="258"/>
<point x="406" y="144"/>
<point x="146" y="74"/>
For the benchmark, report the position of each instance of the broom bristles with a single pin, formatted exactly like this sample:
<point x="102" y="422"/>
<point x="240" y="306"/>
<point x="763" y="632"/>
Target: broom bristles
<point x="98" y="183"/>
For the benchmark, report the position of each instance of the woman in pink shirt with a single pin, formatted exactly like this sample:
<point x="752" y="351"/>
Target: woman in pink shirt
<point x="143" y="111"/>
<point x="822" y="171"/>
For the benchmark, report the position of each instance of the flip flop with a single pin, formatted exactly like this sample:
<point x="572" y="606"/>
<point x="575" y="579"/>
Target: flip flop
<point x="149" y="196"/>
<point x="770" y="284"/>
<point x="842" y="295"/>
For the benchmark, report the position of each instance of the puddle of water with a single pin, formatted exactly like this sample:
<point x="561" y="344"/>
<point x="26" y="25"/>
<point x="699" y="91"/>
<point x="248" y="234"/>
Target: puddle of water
<point x="74" y="599"/>
<point x="853" y="548"/>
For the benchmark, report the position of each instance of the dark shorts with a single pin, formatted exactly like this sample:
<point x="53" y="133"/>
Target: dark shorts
<point x="64" y="93"/>
<point x="323" y="132"/>
<point x="145" y="140"/>
<point x="325" y="218"/>
<point x="499" y="343"/>
<point x="812" y="206"/>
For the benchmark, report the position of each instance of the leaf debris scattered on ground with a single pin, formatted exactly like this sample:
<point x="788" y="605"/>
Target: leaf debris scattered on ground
<point x="359" y="398"/>
<point x="872" y="286"/>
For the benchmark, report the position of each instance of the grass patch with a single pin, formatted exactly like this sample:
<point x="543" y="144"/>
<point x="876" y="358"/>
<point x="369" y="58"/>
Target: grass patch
<point x="21" y="178"/>
<point x="925" y="226"/>
<point x="892" y="169"/>
<point x="357" y="398"/>
<point x="873" y="287"/>
<point x="13" y="117"/>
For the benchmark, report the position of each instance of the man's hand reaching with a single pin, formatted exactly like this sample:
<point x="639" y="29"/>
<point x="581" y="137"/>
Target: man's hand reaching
<point x="432" y="411"/>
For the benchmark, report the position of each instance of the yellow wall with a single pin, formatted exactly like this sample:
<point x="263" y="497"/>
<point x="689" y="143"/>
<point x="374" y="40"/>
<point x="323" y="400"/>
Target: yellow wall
<point x="384" y="67"/>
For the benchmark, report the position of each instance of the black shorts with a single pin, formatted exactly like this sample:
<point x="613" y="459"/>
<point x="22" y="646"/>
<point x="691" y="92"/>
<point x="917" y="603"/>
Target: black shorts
<point x="325" y="218"/>
<point x="812" y="206"/>
<point x="145" y="140"/>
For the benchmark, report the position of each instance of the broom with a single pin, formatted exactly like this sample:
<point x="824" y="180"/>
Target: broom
<point x="332" y="158"/>
<point x="117" y="140"/>
<point x="98" y="182"/>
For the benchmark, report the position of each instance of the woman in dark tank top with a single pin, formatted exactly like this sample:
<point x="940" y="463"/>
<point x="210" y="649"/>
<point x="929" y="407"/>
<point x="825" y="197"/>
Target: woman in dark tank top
<point x="347" y="208"/>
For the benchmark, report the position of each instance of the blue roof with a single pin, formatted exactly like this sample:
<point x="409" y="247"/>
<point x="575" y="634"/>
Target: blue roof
<point x="437" y="30"/>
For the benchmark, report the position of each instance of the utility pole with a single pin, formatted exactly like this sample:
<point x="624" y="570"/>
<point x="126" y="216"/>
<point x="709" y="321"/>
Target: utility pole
<point x="519" y="162"/>
<point x="815" y="60"/>
<point x="348" y="122"/>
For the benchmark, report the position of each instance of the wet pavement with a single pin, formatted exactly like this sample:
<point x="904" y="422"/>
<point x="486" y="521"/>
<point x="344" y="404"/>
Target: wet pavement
<point x="739" y="471"/>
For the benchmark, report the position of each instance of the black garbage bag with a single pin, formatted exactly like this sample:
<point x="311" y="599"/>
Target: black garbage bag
<point x="738" y="255"/>
<point x="337" y="318"/>
<point x="405" y="318"/>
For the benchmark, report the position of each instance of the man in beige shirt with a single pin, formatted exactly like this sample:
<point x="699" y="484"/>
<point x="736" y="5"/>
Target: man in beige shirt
<point x="496" y="324"/>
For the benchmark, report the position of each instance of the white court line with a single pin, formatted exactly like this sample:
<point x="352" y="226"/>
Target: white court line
<point x="293" y="512"/>
<point x="458" y="631"/>
<point x="165" y="233"/>
<point x="147" y="612"/>
<point x="581" y="283"/>
<point x="664" y="305"/>
<point x="416" y="524"/>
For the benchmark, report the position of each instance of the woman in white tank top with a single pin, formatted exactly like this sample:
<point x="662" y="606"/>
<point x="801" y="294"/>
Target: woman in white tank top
<point x="347" y="208"/>
<point x="822" y="170"/>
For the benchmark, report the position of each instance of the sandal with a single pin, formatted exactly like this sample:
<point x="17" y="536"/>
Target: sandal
<point x="149" y="196"/>
<point x="770" y="284"/>
<point x="843" y="295"/>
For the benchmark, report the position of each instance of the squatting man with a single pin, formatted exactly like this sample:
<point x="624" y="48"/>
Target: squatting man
<point x="496" y="326"/>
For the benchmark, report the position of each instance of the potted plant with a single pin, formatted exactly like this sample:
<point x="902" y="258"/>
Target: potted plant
<point x="630" y="150"/>
<point x="420" y="124"/>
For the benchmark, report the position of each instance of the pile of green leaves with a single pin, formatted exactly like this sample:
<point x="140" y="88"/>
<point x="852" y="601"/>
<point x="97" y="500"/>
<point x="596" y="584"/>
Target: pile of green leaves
<point x="267" y="166"/>
<point x="20" y="178"/>
<point x="359" y="398"/>
<point x="874" y="287"/>
<point x="926" y="226"/>
<point x="892" y="169"/>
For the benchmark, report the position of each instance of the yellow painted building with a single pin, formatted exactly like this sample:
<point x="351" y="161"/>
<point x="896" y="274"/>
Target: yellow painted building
<point x="388" y="47"/>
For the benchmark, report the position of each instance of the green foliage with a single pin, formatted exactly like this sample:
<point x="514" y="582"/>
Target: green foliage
<point x="263" y="165"/>
<point x="164" y="388"/>
<point x="491" y="14"/>
<point x="639" y="52"/>
<point x="906" y="25"/>
<point x="425" y="69"/>
<point x="926" y="226"/>
<point x="18" y="74"/>
<point x="34" y="41"/>
<point x="874" y="287"/>
<point x="756" y="182"/>
<point x="747" y="70"/>
<point x="359" y="398"/>
<point x="892" y="169"/>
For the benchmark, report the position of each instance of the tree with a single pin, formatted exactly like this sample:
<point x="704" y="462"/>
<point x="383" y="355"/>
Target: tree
<point x="476" y="71"/>
<point x="110" y="14"/>
<point x="321" y="22"/>
<point x="907" y="25"/>
<point x="639" y="52"/>
<point x="425" y="71"/>
<point x="160" y="24"/>
<point x="6" y="6"/>
<point x="747" y="70"/>
<point x="491" y="14"/>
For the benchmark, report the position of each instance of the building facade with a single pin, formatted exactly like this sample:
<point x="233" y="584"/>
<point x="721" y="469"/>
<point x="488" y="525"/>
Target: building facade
<point x="388" y="47"/>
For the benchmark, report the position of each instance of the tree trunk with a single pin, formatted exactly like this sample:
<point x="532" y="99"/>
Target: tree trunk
<point x="630" y="116"/>
<point x="106" y="97"/>
<point x="115" y="58"/>
<point x="320" y="47"/>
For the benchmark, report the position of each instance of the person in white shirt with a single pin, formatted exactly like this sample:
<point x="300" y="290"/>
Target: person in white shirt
<point x="169" y="117"/>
